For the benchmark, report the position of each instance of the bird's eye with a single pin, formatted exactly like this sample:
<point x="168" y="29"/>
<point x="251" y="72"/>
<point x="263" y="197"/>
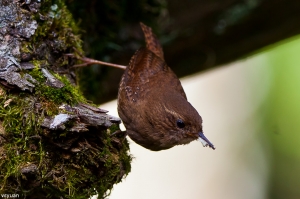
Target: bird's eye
<point x="180" y="123"/>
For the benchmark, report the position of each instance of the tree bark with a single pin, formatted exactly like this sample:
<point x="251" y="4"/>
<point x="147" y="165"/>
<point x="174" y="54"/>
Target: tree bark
<point x="53" y="143"/>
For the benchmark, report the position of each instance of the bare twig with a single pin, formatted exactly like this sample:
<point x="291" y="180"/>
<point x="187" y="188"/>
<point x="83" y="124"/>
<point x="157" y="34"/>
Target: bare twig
<point x="89" y="61"/>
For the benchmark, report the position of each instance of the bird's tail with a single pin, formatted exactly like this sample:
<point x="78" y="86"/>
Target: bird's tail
<point x="152" y="42"/>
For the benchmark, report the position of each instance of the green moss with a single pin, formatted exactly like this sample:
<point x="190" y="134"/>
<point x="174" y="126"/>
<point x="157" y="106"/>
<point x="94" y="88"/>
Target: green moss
<point x="92" y="170"/>
<point x="113" y="128"/>
<point x="68" y="94"/>
<point x="19" y="122"/>
<point x="59" y="26"/>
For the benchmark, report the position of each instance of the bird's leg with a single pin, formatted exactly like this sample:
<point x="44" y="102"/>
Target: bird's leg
<point x="88" y="61"/>
<point x="119" y="132"/>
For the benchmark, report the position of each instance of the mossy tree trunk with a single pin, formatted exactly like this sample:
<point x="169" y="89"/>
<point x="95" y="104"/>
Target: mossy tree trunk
<point x="52" y="141"/>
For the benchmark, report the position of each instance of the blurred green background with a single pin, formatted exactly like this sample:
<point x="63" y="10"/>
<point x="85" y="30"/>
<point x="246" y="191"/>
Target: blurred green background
<point x="282" y="119"/>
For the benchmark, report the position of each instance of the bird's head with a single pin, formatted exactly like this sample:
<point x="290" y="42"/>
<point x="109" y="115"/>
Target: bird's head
<point x="176" y="122"/>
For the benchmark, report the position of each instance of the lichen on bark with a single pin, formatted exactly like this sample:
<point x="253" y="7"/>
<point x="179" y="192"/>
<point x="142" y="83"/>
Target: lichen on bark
<point x="53" y="143"/>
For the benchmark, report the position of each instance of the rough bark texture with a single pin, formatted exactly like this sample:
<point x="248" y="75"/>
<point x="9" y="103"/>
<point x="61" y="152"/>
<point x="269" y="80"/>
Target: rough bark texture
<point x="52" y="141"/>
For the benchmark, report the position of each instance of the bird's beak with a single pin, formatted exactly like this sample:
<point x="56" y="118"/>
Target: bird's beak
<point x="205" y="142"/>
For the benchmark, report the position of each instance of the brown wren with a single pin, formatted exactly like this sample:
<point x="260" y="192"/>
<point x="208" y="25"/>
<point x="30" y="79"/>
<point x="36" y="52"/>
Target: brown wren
<point x="152" y="103"/>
